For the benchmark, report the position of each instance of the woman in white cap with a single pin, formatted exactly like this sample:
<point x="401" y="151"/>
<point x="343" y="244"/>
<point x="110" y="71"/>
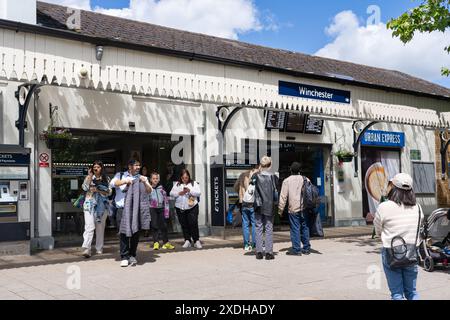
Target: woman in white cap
<point x="397" y="221"/>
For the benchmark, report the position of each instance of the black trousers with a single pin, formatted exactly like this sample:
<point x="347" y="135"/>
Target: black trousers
<point x="119" y="214"/>
<point x="189" y="223"/>
<point x="159" y="226"/>
<point x="128" y="246"/>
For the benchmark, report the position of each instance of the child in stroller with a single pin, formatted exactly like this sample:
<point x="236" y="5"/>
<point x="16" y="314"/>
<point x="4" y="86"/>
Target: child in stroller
<point x="434" y="249"/>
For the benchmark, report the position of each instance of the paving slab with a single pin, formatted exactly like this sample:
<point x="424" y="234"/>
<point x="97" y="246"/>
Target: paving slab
<point x="339" y="268"/>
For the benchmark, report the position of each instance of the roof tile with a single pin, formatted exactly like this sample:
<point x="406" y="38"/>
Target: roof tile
<point x="140" y="33"/>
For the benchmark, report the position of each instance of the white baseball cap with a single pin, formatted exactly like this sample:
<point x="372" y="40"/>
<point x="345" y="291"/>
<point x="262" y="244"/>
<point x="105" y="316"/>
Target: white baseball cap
<point x="403" y="181"/>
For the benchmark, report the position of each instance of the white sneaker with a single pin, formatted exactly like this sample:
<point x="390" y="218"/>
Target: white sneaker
<point x="124" y="263"/>
<point x="187" y="244"/>
<point x="198" y="244"/>
<point x="99" y="251"/>
<point x="87" y="253"/>
<point x="133" y="261"/>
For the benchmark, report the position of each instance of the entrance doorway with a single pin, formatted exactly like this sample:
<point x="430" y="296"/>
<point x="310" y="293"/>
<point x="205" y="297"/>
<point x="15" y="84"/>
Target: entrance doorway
<point x="114" y="149"/>
<point x="313" y="160"/>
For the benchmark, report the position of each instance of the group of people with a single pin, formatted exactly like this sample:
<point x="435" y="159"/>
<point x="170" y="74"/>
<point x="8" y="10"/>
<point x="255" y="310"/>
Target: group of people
<point x="397" y="221"/>
<point x="140" y="203"/>
<point x="258" y="200"/>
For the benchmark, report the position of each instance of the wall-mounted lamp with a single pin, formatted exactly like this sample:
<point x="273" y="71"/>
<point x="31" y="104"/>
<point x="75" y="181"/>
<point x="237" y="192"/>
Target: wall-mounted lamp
<point x="99" y="53"/>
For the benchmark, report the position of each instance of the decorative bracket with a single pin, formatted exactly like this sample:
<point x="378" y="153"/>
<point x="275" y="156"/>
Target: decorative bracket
<point x="444" y="147"/>
<point x="357" y="140"/>
<point x="23" y="95"/>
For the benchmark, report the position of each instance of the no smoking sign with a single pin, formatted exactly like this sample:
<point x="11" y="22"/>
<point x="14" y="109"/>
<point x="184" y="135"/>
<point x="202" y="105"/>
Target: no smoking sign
<point x="43" y="160"/>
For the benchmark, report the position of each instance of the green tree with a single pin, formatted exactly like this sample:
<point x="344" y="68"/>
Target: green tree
<point x="431" y="15"/>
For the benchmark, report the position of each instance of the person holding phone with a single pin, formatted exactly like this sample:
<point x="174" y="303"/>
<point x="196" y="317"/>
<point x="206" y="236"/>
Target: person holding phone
<point x="186" y="193"/>
<point x="96" y="186"/>
<point x="122" y="181"/>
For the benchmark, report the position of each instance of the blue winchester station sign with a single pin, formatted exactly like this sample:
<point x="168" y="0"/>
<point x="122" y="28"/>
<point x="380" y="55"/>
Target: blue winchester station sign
<point x="313" y="92"/>
<point x="383" y="139"/>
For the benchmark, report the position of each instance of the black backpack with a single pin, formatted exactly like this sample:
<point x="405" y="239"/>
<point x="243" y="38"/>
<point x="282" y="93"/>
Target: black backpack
<point x="310" y="193"/>
<point x="112" y="197"/>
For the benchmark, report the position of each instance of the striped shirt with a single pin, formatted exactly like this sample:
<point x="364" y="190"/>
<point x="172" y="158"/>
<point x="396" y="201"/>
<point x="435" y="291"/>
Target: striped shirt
<point x="392" y="220"/>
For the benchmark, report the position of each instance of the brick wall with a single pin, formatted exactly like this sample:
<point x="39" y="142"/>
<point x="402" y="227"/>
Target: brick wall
<point x="443" y="190"/>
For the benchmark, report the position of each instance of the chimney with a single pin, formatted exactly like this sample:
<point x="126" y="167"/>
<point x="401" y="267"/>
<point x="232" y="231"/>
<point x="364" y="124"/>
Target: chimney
<point x="20" y="11"/>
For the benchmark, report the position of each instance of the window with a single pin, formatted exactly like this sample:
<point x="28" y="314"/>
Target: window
<point x="424" y="177"/>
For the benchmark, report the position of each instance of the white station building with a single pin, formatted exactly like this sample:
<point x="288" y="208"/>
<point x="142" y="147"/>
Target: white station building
<point x="177" y="99"/>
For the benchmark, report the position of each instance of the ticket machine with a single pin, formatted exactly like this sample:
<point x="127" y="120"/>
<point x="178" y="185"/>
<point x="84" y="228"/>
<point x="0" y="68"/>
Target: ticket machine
<point x="14" y="193"/>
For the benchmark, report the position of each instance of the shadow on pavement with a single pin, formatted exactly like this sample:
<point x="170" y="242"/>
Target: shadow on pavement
<point x="72" y="254"/>
<point x="373" y="244"/>
<point x="313" y="251"/>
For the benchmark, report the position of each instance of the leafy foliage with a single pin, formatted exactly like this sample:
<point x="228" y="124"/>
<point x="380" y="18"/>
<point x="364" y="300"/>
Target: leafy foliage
<point x="430" y="16"/>
<point x="344" y="154"/>
<point x="52" y="133"/>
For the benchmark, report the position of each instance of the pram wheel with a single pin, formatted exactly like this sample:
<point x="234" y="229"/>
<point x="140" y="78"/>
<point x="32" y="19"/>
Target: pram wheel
<point x="428" y="264"/>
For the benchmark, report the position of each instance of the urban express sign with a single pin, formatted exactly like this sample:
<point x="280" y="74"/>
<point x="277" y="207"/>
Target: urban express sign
<point x="383" y="139"/>
<point x="312" y="92"/>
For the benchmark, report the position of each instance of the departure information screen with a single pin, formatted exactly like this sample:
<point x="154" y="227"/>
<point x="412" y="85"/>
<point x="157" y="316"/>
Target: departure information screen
<point x="293" y="122"/>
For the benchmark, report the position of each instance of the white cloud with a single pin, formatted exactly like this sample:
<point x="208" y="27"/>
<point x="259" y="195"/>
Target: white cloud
<point x="374" y="45"/>
<point x="78" y="4"/>
<point x="227" y="18"/>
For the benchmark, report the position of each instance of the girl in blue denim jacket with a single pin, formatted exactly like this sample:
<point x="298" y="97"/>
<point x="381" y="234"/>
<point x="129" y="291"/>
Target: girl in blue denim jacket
<point x="96" y="185"/>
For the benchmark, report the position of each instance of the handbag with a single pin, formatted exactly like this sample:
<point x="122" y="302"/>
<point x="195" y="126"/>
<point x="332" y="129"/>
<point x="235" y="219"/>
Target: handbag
<point x="275" y="190"/>
<point x="403" y="255"/>
<point x="249" y="195"/>
<point x="191" y="201"/>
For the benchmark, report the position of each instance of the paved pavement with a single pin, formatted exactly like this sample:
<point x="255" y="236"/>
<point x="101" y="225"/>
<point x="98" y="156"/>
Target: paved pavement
<point x="339" y="268"/>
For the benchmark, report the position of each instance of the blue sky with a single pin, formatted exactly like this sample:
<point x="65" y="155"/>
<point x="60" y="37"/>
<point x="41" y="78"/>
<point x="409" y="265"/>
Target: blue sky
<point x="302" y="22"/>
<point x="333" y="29"/>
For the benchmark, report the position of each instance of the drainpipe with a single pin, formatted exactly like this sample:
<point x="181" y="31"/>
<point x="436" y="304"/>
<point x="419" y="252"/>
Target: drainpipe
<point x="36" y="166"/>
<point x="206" y="171"/>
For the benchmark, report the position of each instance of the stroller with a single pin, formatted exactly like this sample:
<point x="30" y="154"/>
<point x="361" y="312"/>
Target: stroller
<point x="434" y="248"/>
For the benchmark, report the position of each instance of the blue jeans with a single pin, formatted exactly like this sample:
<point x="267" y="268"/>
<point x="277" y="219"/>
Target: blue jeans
<point x="299" y="231"/>
<point x="401" y="282"/>
<point x="248" y="216"/>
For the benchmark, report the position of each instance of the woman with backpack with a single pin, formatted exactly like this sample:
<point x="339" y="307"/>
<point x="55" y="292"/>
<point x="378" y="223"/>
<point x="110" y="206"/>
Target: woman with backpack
<point x="398" y="222"/>
<point x="246" y="192"/>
